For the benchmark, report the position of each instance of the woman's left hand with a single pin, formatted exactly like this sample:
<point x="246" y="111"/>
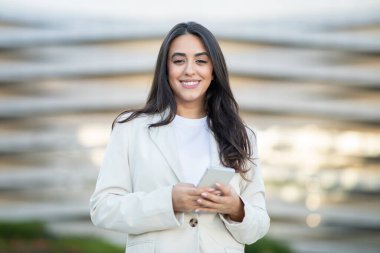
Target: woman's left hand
<point x="228" y="202"/>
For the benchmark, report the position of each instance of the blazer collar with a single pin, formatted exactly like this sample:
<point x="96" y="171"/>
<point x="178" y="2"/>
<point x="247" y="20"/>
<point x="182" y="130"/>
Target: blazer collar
<point x="164" y="139"/>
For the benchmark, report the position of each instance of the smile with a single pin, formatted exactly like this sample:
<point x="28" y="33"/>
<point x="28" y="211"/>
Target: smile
<point x="190" y="84"/>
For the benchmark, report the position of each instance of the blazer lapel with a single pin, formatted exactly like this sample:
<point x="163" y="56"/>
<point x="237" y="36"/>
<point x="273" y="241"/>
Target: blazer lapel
<point x="164" y="138"/>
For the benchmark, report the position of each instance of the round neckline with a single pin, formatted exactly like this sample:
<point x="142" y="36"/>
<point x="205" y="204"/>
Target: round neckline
<point x="188" y="121"/>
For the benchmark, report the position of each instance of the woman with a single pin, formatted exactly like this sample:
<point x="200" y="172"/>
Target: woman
<point x="157" y="154"/>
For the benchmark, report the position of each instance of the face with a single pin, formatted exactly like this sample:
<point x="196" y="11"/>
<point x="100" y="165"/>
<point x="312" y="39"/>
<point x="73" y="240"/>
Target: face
<point x="189" y="71"/>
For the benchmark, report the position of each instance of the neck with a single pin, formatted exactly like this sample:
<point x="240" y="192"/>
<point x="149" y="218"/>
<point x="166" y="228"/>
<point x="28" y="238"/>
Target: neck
<point x="191" y="112"/>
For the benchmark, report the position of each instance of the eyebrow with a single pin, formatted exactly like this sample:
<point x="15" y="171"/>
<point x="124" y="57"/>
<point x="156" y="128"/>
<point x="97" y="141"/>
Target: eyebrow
<point x="184" y="55"/>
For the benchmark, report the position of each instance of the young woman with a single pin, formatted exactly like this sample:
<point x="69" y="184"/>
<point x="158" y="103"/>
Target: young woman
<point x="157" y="154"/>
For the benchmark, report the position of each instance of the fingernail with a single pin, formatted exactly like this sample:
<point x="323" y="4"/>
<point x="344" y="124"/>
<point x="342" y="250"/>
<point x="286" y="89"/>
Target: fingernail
<point x="204" y="194"/>
<point x="196" y="210"/>
<point x="199" y="200"/>
<point x="217" y="184"/>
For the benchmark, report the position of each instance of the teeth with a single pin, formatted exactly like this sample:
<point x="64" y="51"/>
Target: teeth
<point x="190" y="83"/>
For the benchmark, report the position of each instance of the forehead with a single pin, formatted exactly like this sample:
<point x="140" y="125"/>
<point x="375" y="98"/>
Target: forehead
<point x="188" y="44"/>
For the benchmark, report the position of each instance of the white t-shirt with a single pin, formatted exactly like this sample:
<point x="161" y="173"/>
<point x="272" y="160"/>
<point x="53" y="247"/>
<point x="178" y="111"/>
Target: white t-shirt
<point x="193" y="142"/>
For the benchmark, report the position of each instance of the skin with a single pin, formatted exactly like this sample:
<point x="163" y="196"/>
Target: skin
<point x="189" y="63"/>
<point x="190" y="72"/>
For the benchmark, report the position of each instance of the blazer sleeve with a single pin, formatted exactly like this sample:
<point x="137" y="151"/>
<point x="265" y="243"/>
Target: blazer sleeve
<point x="115" y="206"/>
<point x="256" y="221"/>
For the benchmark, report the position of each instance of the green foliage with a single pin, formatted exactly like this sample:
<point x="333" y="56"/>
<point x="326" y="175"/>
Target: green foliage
<point x="32" y="237"/>
<point x="267" y="245"/>
<point x="25" y="230"/>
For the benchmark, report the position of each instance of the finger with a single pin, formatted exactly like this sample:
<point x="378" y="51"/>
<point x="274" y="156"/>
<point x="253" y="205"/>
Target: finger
<point x="225" y="189"/>
<point x="208" y="204"/>
<point x="185" y="188"/>
<point x="198" y="191"/>
<point x="204" y="209"/>
<point x="212" y="197"/>
<point x="217" y="193"/>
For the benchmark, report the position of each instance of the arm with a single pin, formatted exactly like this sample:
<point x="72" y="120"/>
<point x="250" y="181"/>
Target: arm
<point x="115" y="206"/>
<point x="245" y="216"/>
<point x="255" y="223"/>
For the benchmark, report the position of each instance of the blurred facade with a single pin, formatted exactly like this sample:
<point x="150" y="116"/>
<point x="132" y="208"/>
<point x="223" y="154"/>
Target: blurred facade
<point x="307" y="79"/>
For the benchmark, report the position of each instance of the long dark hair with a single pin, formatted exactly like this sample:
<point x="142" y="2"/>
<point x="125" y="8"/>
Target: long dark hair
<point x="220" y="105"/>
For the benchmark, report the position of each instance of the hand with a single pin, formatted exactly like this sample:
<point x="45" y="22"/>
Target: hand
<point x="229" y="203"/>
<point x="185" y="196"/>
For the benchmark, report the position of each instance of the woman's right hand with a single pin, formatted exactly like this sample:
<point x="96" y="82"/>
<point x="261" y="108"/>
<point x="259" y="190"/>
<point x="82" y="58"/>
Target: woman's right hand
<point x="184" y="197"/>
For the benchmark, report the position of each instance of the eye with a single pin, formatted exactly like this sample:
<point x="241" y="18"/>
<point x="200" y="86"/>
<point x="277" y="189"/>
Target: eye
<point x="201" y="61"/>
<point x="178" y="61"/>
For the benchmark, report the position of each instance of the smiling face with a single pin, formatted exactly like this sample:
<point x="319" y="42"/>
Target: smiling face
<point x="189" y="72"/>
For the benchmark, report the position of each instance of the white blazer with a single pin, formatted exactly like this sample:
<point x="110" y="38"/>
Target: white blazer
<point x="134" y="195"/>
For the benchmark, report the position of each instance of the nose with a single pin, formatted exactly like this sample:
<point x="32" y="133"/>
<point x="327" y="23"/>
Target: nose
<point x="189" y="70"/>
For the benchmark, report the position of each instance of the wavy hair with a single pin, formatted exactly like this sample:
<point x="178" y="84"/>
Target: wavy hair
<point x="220" y="105"/>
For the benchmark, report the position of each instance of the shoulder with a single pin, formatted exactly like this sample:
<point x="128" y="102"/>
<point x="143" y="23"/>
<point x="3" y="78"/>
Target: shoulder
<point x="141" y="121"/>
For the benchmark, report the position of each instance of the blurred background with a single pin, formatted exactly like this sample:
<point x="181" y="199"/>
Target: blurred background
<point x="305" y="73"/>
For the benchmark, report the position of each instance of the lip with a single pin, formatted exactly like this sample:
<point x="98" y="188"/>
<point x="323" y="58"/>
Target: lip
<point x="190" y="84"/>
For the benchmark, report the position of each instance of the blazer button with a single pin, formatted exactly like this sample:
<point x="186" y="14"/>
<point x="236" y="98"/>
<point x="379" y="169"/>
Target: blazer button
<point x="193" y="222"/>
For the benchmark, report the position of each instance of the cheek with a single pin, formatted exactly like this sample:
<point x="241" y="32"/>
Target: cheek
<point x="206" y="73"/>
<point x="174" y="71"/>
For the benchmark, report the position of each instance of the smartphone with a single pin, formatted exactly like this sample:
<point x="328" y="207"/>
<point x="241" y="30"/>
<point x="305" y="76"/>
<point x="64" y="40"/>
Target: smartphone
<point x="215" y="175"/>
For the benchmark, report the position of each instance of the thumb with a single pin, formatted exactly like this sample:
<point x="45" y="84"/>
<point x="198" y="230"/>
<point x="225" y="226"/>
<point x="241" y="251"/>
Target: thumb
<point x="223" y="188"/>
